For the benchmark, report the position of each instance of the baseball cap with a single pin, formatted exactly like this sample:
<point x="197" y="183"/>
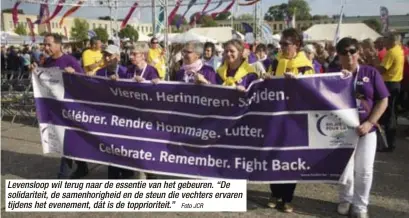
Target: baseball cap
<point x="112" y="49"/>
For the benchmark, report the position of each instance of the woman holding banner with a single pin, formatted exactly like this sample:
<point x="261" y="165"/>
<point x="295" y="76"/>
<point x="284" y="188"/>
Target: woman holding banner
<point x="193" y="69"/>
<point x="113" y="70"/>
<point x="372" y="101"/>
<point x="289" y="63"/>
<point x="235" y="70"/>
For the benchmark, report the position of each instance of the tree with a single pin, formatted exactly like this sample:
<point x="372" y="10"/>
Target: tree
<point x="207" y="21"/>
<point x="300" y="7"/>
<point x="176" y="19"/>
<point x="102" y="34"/>
<point x="246" y="17"/>
<point x="9" y="10"/>
<point x="20" y="30"/>
<point x="79" y="31"/>
<point x="105" y="18"/>
<point x="374" y="24"/>
<point x="129" y="32"/>
<point x="223" y="16"/>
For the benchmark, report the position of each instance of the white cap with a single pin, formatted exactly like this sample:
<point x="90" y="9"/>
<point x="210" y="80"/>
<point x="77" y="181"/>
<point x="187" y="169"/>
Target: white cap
<point x="112" y="49"/>
<point x="310" y="49"/>
<point x="219" y="48"/>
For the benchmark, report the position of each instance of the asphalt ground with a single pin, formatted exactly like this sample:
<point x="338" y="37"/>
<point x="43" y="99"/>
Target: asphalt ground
<point x="22" y="158"/>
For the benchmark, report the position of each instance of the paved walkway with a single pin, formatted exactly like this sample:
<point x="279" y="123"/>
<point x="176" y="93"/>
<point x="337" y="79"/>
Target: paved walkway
<point x="21" y="158"/>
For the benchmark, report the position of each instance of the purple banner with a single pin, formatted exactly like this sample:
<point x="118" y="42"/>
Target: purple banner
<point x="280" y="130"/>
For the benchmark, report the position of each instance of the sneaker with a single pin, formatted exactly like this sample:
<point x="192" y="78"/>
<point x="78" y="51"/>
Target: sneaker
<point x="343" y="208"/>
<point x="272" y="202"/>
<point x="360" y="215"/>
<point x="287" y="208"/>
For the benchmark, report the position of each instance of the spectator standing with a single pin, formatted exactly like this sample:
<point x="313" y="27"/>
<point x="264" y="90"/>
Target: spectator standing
<point x="92" y="57"/>
<point x="391" y="69"/>
<point x="156" y="57"/>
<point x="210" y="57"/>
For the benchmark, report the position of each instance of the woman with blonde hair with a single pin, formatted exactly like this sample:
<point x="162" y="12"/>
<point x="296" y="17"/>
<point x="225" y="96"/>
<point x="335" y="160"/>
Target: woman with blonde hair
<point x="235" y="70"/>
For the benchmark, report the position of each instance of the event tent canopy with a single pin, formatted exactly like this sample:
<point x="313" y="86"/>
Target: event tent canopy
<point x="190" y="36"/>
<point x="326" y="32"/>
<point x="220" y="34"/>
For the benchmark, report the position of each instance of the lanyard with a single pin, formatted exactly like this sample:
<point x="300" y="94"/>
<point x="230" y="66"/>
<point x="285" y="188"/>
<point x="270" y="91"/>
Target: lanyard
<point x="143" y="71"/>
<point x="356" y="78"/>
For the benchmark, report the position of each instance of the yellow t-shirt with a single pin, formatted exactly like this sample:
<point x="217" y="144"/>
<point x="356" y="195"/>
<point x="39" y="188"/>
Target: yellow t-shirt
<point x="393" y="63"/>
<point x="90" y="57"/>
<point x="157" y="60"/>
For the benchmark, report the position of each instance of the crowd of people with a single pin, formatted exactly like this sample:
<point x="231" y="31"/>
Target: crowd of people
<point x="380" y="70"/>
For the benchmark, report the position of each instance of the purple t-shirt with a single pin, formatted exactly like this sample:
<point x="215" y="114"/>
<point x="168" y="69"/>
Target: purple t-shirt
<point x="207" y="71"/>
<point x="62" y="62"/>
<point x="150" y="72"/>
<point x="370" y="88"/>
<point x="252" y="58"/>
<point x="120" y="71"/>
<point x="245" y="81"/>
<point x="267" y="63"/>
<point x="317" y="66"/>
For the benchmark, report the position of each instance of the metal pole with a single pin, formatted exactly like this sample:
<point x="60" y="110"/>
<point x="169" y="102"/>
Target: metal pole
<point x="154" y="17"/>
<point x="166" y="4"/>
<point x="255" y="22"/>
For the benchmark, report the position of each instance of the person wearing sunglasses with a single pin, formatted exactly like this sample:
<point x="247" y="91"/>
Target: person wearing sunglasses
<point x="235" y="70"/>
<point x="156" y="57"/>
<point x="193" y="69"/>
<point x="372" y="99"/>
<point x="291" y="62"/>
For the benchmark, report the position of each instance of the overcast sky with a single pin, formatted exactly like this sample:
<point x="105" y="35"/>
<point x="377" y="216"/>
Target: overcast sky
<point x="329" y="7"/>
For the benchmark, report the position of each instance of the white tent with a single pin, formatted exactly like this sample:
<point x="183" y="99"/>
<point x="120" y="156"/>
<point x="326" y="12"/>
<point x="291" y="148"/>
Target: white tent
<point x="220" y="34"/>
<point x="190" y="36"/>
<point x="161" y="37"/>
<point x="9" y="38"/>
<point x="326" y="32"/>
<point x="143" y="38"/>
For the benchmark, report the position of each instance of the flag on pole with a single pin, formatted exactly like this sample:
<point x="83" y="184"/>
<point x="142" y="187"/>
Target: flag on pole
<point x="161" y="19"/>
<point x="125" y="21"/>
<point x="338" y="30"/>
<point x="42" y="11"/>
<point x="71" y="11"/>
<point x="247" y="28"/>
<point x="384" y="19"/>
<point x="31" y="27"/>
<point x="14" y="13"/>
<point x="57" y="10"/>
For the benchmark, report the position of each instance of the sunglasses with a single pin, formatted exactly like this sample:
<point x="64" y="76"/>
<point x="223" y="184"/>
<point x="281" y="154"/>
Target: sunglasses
<point x="186" y="52"/>
<point x="285" y="43"/>
<point x="155" y="42"/>
<point x="351" y="51"/>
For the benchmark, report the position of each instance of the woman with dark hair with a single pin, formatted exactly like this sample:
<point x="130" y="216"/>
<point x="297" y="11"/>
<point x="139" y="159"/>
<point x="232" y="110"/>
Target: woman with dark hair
<point x="372" y="100"/>
<point x="290" y="63"/>
<point x="209" y="56"/>
<point x="235" y="70"/>
<point x="193" y="70"/>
